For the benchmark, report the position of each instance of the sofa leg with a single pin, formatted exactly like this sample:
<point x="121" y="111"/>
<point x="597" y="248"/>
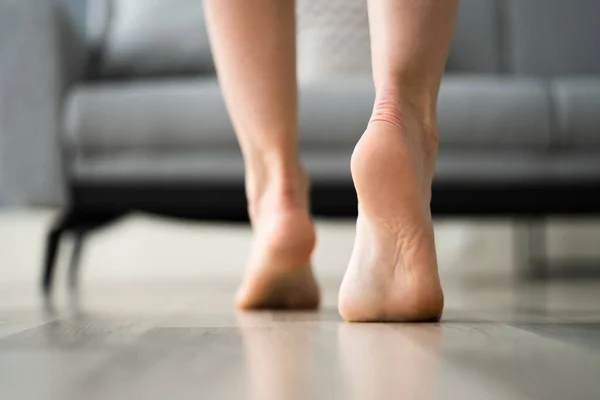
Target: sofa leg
<point x="52" y="244"/>
<point x="76" y="259"/>
<point x="538" y="252"/>
<point x="530" y="249"/>
<point x="79" y="222"/>
<point x="60" y="225"/>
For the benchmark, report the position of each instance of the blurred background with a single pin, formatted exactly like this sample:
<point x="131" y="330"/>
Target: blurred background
<point x="117" y="156"/>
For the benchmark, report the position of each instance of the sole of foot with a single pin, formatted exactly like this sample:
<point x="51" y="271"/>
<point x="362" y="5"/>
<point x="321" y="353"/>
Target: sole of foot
<point x="279" y="273"/>
<point x="393" y="275"/>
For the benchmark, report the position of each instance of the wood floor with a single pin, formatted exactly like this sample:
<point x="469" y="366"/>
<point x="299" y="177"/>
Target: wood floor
<point x="184" y="340"/>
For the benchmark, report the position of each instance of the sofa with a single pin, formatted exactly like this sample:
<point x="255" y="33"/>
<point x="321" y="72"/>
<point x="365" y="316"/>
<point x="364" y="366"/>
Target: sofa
<point x="108" y="106"/>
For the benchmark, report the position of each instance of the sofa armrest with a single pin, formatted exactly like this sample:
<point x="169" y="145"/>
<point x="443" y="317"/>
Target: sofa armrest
<point x="41" y="56"/>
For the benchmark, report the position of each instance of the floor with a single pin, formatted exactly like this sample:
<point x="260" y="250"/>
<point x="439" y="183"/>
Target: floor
<point x="185" y="340"/>
<point x="169" y="335"/>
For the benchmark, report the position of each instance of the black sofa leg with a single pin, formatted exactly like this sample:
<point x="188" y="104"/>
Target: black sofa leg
<point x="59" y="227"/>
<point x="52" y="244"/>
<point x="80" y="223"/>
<point x="76" y="259"/>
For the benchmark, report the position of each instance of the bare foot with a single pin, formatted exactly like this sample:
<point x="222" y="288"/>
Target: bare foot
<point x="279" y="273"/>
<point x="392" y="275"/>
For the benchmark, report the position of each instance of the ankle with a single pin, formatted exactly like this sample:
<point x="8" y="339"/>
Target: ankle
<point x="396" y="104"/>
<point x="277" y="187"/>
<point x="408" y="111"/>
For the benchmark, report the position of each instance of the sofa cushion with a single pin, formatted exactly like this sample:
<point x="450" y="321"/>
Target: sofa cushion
<point x="162" y="115"/>
<point x="157" y="115"/>
<point x="577" y="110"/>
<point x="476" y="44"/>
<point x="198" y="165"/>
<point x="156" y="37"/>
<point x="517" y="166"/>
<point x="484" y="112"/>
<point x="334" y="111"/>
<point x="553" y="37"/>
<point x="97" y="23"/>
<point x="474" y="112"/>
<point x="494" y="112"/>
<point x="179" y="114"/>
<point x="226" y="166"/>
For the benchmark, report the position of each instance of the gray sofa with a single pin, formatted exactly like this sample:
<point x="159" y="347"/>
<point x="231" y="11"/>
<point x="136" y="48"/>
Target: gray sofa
<point x="110" y="106"/>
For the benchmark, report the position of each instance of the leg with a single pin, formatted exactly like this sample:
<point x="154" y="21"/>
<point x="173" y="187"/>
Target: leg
<point x="254" y="48"/>
<point x="79" y="222"/>
<point x="79" y="239"/>
<point x="60" y="225"/>
<point x="393" y="270"/>
<point x="52" y="244"/>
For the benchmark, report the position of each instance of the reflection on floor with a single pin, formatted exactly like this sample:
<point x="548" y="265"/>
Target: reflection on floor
<point x="184" y="340"/>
